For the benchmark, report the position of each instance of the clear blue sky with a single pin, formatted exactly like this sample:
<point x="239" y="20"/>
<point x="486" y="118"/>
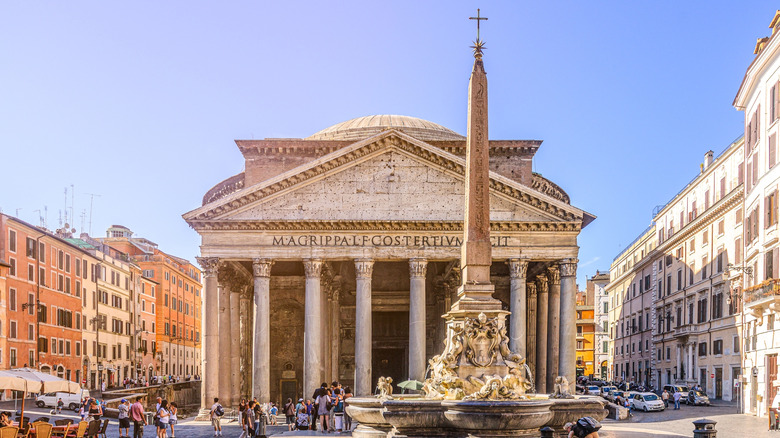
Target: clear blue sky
<point x="140" y="101"/>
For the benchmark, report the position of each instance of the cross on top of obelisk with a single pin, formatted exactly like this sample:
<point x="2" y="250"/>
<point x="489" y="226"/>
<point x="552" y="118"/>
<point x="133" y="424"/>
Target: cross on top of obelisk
<point x="479" y="45"/>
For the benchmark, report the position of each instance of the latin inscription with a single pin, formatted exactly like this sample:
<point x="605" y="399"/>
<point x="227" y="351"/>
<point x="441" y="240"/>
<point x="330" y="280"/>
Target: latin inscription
<point x="378" y="240"/>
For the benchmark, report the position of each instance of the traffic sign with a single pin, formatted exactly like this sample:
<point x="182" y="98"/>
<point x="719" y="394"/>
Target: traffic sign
<point x="712" y="375"/>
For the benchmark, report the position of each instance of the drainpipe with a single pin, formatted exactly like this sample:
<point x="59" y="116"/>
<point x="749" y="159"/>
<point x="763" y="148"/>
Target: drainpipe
<point x="38" y="299"/>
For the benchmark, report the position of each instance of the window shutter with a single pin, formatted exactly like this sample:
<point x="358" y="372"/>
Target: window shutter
<point x="772" y="154"/>
<point x="775" y="260"/>
<point x="758" y="122"/>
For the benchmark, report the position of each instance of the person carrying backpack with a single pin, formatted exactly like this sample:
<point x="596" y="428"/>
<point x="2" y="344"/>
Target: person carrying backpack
<point x="338" y="410"/>
<point x="216" y="413"/>
<point x="585" y="427"/>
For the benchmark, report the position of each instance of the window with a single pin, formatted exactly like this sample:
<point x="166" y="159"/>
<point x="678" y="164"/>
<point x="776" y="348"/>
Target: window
<point x="31" y="250"/>
<point x="12" y="299"/>
<point x="736" y="344"/>
<point x="12" y="359"/>
<point x="702" y="310"/>
<point x="43" y="345"/>
<point x="12" y="241"/>
<point x="42" y="276"/>
<point x="679" y="279"/>
<point x="704" y="268"/>
<point x="770" y="210"/>
<point x="78" y="348"/>
<point x="31" y="272"/>
<point x="719" y="261"/>
<point x="30" y="332"/>
<point x="702" y="348"/>
<point x="738" y="251"/>
<point x="12" y="330"/>
<point x="772" y="152"/>
<point x="42" y="252"/>
<point x="717" y="306"/>
<point x="12" y="269"/>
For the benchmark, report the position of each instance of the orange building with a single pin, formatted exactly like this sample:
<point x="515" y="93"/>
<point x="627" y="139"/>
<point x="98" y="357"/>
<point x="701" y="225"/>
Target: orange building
<point x="4" y="267"/>
<point x="42" y="296"/>
<point x="146" y="322"/>
<point x="178" y="303"/>
<point x="585" y="335"/>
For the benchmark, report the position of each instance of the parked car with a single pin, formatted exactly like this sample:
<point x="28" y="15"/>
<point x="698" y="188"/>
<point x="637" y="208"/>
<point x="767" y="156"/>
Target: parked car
<point x="71" y="401"/>
<point x="593" y="390"/>
<point x="606" y="389"/>
<point x="683" y="391"/>
<point x="697" y="398"/>
<point x="647" y="401"/>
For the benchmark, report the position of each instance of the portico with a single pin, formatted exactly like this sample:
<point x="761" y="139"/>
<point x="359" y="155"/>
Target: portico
<point x="349" y="245"/>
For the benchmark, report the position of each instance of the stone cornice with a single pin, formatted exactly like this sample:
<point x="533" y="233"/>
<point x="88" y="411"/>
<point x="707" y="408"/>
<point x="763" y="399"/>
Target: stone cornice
<point x="361" y="150"/>
<point x="357" y="225"/>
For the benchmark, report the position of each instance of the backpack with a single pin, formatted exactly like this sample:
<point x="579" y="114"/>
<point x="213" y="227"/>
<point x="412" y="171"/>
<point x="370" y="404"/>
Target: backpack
<point x="339" y="406"/>
<point x="585" y="426"/>
<point x="219" y="411"/>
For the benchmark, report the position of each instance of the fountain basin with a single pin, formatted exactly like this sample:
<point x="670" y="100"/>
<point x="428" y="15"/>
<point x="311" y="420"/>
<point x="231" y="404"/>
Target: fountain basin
<point x="418" y="417"/>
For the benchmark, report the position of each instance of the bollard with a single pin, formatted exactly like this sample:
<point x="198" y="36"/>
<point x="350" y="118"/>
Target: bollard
<point x="261" y="426"/>
<point x="547" y="432"/>
<point x="704" y="428"/>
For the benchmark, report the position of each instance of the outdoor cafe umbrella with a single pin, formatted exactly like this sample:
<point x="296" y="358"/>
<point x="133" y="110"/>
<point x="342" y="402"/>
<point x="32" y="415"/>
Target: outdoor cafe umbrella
<point x="30" y="380"/>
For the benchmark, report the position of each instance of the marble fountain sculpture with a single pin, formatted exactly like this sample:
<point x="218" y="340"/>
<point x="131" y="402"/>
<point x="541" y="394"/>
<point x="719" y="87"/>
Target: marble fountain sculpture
<point x="477" y="386"/>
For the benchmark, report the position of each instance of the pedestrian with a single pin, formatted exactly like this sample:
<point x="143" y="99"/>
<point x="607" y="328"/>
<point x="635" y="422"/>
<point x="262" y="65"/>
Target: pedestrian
<point x="250" y="418"/>
<point x="215" y="415"/>
<point x="164" y="416"/>
<point x="629" y="406"/>
<point x="302" y="420"/>
<point x="316" y="396"/>
<point x="323" y="403"/>
<point x="124" y="418"/>
<point x="774" y="410"/>
<point x="273" y="411"/>
<point x="174" y="418"/>
<point x="139" y="421"/>
<point x="95" y="411"/>
<point x="258" y="410"/>
<point x="338" y="411"/>
<point x="289" y="413"/>
<point x="676" y="396"/>
<point x="298" y="406"/>
<point x="242" y="419"/>
<point x="665" y="398"/>
<point x="310" y="412"/>
<point x="103" y="387"/>
<point x="60" y="404"/>
<point x="347" y="418"/>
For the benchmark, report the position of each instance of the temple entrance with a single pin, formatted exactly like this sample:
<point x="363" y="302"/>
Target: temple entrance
<point x="390" y="356"/>
<point x="289" y="389"/>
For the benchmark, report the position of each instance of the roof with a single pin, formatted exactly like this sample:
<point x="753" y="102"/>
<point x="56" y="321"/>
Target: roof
<point x="80" y="243"/>
<point x="364" y="127"/>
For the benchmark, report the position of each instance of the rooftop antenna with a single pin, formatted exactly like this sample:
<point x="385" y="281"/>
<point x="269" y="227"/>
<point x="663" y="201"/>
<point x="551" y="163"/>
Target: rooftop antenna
<point x="66" y="204"/>
<point x="83" y="218"/>
<point x="45" y="216"/>
<point x="72" y="202"/>
<point x="60" y="222"/>
<point x="91" y="200"/>
<point x="17" y="212"/>
<point x="40" y="218"/>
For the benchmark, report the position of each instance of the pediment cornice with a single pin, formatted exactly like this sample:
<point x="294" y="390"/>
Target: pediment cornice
<point x="444" y="161"/>
<point x="356" y="225"/>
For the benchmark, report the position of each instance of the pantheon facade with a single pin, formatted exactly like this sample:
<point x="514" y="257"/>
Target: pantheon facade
<point x="336" y="255"/>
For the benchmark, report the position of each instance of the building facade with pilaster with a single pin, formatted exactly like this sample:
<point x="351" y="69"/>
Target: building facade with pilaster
<point x="597" y="284"/>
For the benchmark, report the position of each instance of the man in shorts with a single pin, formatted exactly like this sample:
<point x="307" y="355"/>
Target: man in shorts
<point x="215" y="418"/>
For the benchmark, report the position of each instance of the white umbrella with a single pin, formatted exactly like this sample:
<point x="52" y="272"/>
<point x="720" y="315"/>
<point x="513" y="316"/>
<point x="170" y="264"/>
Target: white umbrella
<point x="31" y="380"/>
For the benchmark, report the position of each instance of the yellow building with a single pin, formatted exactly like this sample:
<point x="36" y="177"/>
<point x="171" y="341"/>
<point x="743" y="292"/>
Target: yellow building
<point x="585" y="335"/>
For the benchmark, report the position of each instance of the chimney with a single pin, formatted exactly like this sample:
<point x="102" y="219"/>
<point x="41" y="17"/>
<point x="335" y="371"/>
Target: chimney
<point x="707" y="160"/>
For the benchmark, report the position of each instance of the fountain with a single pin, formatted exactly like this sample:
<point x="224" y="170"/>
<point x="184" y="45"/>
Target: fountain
<point x="477" y="386"/>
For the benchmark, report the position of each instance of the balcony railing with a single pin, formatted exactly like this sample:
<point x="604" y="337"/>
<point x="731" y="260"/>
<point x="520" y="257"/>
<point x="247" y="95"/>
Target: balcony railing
<point x="766" y="289"/>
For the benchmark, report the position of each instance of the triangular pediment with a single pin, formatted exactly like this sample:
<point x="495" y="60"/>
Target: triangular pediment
<point x="388" y="177"/>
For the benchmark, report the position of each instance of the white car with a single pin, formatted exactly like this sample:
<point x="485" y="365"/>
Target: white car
<point x="593" y="390"/>
<point x="647" y="401"/>
<point x="70" y="401"/>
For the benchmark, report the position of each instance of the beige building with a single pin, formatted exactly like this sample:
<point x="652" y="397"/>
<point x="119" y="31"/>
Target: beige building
<point x="697" y="317"/>
<point x="759" y="98"/>
<point x="630" y="297"/>
<point x="109" y="355"/>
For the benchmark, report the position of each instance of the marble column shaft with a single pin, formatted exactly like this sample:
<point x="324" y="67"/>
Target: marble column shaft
<point x="312" y="332"/>
<point x="679" y="362"/>
<point x="568" y="324"/>
<point x="334" y="347"/>
<point x="225" y="350"/>
<point x="235" y="341"/>
<point x="518" y="306"/>
<point x="261" y="352"/>
<point x="363" y="336"/>
<point x="531" y="327"/>
<point x="210" y="331"/>
<point x="541" y="334"/>
<point x="417" y="271"/>
<point x="324" y="334"/>
<point x="246" y="347"/>
<point x="553" y="325"/>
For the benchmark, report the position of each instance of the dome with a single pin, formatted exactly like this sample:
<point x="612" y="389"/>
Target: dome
<point x="364" y="127"/>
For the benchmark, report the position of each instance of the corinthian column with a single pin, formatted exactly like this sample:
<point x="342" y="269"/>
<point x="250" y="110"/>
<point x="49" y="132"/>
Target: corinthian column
<point x="312" y="338"/>
<point x="568" y="327"/>
<point x="225" y="346"/>
<point x="541" y="334"/>
<point x="261" y="354"/>
<point x="553" y="324"/>
<point x="210" y="332"/>
<point x="417" y="269"/>
<point x="518" y="306"/>
<point x="235" y="341"/>
<point x="363" y="269"/>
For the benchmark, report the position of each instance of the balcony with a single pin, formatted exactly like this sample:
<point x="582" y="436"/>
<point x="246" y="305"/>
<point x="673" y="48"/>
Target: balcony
<point x="763" y="295"/>
<point x="685" y="330"/>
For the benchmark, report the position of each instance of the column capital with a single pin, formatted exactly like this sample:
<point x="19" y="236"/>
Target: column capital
<point x="569" y="267"/>
<point x="518" y="268"/>
<point x="364" y="267"/>
<point x="261" y="267"/>
<point x="210" y="265"/>
<point x="554" y="275"/>
<point x="541" y="281"/>
<point x="531" y="287"/>
<point x="312" y="267"/>
<point x="418" y="267"/>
